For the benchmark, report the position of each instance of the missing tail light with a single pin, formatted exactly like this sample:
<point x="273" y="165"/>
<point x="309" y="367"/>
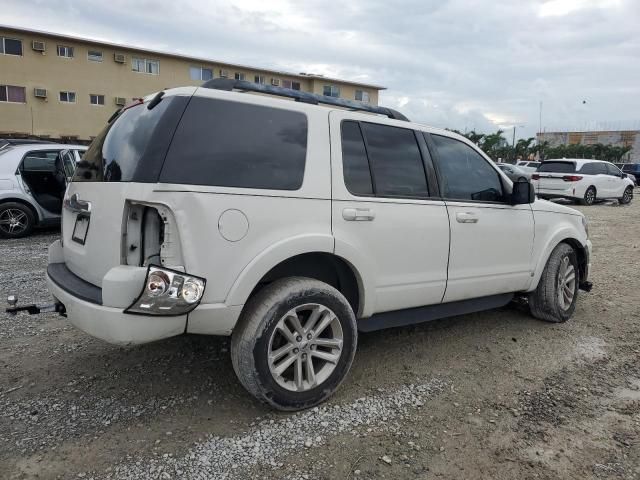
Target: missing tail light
<point x="535" y="176"/>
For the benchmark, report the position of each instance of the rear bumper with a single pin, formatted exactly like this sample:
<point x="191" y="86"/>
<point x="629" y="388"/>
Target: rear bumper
<point x="99" y="312"/>
<point x="569" y="192"/>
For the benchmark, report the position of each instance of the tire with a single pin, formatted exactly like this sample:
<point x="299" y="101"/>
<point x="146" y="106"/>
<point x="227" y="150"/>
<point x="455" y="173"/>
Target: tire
<point x="16" y="220"/>
<point x="589" y="196"/>
<point x="258" y="334"/>
<point x="544" y="302"/>
<point x="627" y="196"/>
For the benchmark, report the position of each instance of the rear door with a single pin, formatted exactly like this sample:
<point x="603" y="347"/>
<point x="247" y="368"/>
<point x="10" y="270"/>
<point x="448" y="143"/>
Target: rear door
<point x="385" y="213"/>
<point x="491" y="240"/>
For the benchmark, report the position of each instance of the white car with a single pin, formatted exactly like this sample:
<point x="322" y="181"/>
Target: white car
<point x="291" y="226"/>
<point x="582" y="180"/>
<point x="528" y="166"/>
<point x="514" y="172"/>
<point x="33" y="178"/>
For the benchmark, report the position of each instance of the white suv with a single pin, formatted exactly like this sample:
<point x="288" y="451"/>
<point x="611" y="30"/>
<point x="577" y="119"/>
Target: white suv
<point x="291" y="226"/>
<point x="583" y="180"/>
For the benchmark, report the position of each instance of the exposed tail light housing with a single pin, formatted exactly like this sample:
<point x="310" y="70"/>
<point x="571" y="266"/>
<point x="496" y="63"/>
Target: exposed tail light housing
<point x="572" y="178"/>
<point x="535" y="176"/>
<point x="168" y="292"/>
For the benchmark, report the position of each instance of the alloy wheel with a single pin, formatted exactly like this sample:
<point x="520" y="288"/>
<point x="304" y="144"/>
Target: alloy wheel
<point x="305" y="347"/>
<point x="13" y="221"/>
<point x="566" y="283"/>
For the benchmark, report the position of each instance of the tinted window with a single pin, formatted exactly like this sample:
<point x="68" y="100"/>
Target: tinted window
<point x="12" y="47"/>
<point x="40" y="161"/>
<point x="557" y="167"/>
<point x="133" y="146"/>
<point x="465" y="174"/>
<point x="233" y="144"/>
<point x="357" y="176"/>
<point x="612" y="169"/>
<point x="395" y="160"/>
<point x="594" y="168"/>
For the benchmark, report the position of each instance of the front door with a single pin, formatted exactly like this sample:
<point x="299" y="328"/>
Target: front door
<point x="383" y="213"/>
<point x="491" y="241"/>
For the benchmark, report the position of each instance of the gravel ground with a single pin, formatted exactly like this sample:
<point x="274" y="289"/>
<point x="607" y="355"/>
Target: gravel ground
<point x="490" y="395"/>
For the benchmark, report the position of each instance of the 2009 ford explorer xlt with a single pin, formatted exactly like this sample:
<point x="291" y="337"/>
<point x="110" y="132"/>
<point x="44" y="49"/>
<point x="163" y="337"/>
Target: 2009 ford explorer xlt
<point x="292" y="225"/>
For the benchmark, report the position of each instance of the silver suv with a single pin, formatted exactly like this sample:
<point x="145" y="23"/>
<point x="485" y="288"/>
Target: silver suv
<point x="33" y="179"/>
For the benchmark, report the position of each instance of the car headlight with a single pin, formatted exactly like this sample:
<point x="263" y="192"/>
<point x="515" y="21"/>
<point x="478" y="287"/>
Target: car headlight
<point x="168" y="292"/>
<point x="585" y="224"/>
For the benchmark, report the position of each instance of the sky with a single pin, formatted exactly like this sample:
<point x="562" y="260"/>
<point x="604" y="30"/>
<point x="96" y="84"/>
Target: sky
<point x="477" y="65"/>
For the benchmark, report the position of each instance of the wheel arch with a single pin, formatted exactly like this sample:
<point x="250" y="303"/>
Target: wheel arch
<point x="26" y="203"/>
<point x="563" y="236"/>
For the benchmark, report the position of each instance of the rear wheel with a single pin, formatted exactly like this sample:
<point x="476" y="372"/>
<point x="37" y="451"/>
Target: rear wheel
<point x="554" y="300"/>
<point x="627" y="196"/>
<point x="16" y="220"/>
<point x="294" y="343"/>
<point x="589" y="196"/>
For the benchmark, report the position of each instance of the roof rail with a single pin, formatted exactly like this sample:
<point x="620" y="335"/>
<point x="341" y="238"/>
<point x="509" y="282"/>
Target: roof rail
<point x="230" y="84"/>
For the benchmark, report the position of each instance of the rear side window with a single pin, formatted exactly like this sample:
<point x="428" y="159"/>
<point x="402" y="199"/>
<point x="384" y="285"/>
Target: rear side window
<point x="558" y="167"/>
<point x="357" y="176"/>
<point x="395" y="160"/>
<point x="465" y="174"/>
<point x="133" y="146"/>
<point x="594" y="168"/>
<point x="231" y="144"/>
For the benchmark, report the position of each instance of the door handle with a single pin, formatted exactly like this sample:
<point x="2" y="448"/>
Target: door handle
<point x="76" y="205"/>
<point x="358" y="214"/>
<point x="466" y="217"/>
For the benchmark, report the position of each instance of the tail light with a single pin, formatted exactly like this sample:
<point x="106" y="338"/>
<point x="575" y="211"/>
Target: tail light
<point x="571" y="178"/>
<point x="535" y="176"/>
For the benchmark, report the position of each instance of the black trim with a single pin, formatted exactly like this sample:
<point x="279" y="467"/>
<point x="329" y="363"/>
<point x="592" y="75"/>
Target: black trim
<point x="410" y="316"/>
<point x="74" y="285"/>
<point x="229" y="84"/>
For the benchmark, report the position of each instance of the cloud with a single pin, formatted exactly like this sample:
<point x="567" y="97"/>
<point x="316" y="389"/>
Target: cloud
<point x="464" y="64"/>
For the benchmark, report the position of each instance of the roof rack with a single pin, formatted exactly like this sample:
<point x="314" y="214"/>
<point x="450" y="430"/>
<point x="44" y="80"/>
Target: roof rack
<point x="230" y="84"/>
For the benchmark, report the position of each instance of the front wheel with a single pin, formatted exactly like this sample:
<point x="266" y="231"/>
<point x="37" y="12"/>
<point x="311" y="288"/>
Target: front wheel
<point x="294" y="343"/>
<point x="16" y="220"/>
<point x="627" y="196"/>
<point x="554" y="300"/>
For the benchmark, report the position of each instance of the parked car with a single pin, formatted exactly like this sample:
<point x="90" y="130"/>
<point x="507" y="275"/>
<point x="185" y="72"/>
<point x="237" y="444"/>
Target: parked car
<point x="585" y="181"/>
<point x="33" y="178"/>
<point x="632" y="169"/>
<point x="514" y="173"/>
<point x="528" y="166"/>
<point x="6" y="142"/>
<point x="293" y="225"/>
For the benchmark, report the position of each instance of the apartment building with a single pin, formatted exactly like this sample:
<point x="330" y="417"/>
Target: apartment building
<point x="62" y="87"/>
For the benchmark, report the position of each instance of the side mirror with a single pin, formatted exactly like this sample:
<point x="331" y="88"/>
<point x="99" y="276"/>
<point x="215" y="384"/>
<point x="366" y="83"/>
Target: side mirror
<point x="523" y="193"/>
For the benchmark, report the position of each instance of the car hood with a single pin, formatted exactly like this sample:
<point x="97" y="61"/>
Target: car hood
<point x="547" y="206"/>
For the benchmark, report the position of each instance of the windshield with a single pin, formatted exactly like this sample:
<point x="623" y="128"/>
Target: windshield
<point x="133" y="146"/>
<point x="557" y="167"/>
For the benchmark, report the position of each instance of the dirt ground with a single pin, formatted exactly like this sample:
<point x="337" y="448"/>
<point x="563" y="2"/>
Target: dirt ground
<point x="495" y="395"/>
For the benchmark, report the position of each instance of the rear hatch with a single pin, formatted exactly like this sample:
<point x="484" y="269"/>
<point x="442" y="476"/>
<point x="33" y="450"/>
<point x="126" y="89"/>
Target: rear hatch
<point x="556" y="175"/>
<point x="121" y="165"/>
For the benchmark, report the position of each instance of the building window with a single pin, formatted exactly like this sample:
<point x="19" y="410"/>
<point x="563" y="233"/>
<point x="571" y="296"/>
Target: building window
<point x="64" y="51"/>
<point x="295" y="85"/>
<point x="259" y="79"/>
<point x="286" y="83"/>
<point x="143" y="65"/>
<point x="224" y="73"/>
<point x="239" y="76"/>
<point x="362" y="96"/>
<point x="96" y="99"/>
<point x="200" y="73"/>
<point x="331" y="91"/>
<point x="11" y="93"/>
<point x="68" y="97"/>
<point x="10" y="46"/>
<point x="94" y="56"/>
